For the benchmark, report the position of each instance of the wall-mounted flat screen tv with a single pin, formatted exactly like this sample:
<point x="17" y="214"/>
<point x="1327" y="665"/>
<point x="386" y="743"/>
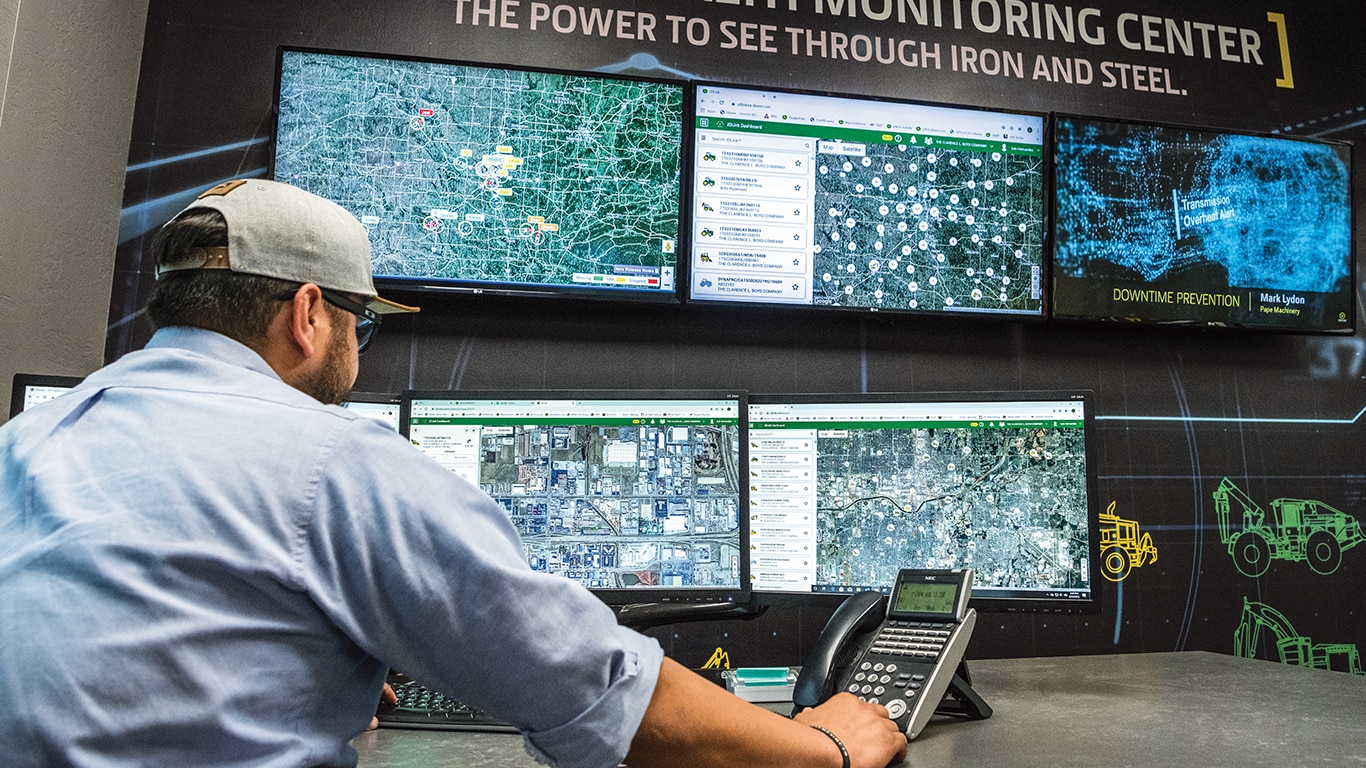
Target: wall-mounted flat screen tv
<point x="491" y="179"/>
<point x="1172" y="224"/>
<point x="863" y="204"/>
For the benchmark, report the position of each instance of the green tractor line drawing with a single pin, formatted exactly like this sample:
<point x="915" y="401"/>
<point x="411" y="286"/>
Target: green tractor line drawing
<point x="1293" y="648"/>
<point x="1298" y="529"/>
<point x="1123" y="546"/>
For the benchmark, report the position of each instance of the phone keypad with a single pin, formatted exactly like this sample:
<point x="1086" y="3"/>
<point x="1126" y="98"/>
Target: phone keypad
<point x="895" y="668"/>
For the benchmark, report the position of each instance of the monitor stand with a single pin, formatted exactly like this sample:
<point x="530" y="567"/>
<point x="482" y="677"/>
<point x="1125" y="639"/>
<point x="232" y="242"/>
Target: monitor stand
<point x="641" y="616"/>
<point x="960" y="700"/>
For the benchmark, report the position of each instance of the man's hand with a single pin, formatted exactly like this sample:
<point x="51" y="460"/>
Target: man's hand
<point x="694" y="723"/>
<point x="863" y="728"/>
<point x="387" y="700"/>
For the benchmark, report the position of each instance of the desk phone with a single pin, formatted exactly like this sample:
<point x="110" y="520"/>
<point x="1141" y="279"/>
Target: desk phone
<point x="901" y="653"/>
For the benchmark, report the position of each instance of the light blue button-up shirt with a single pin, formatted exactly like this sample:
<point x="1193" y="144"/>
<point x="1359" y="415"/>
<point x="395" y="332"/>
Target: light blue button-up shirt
<point x="202" y="566"/>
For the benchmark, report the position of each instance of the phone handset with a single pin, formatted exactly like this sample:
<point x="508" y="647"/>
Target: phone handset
<point x="900" y="652"/>
<point x="844" y="636"/>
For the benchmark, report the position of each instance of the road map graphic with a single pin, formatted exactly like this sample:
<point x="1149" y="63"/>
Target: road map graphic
<point x="481" y="174"/>
<point x="1009" y="502"/>
<point x="621" y="506"/>
<point x="917" y="227"/>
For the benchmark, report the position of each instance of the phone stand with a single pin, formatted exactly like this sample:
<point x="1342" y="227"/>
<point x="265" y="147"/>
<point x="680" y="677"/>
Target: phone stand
<point x="960" y="700"/>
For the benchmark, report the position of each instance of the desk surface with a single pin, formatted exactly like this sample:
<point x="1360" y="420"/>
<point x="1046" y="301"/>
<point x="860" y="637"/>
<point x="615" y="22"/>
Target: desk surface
<point x="1138" y="710"/>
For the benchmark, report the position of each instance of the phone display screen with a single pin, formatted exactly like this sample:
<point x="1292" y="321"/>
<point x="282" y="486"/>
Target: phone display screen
<point x="930" y="594"/>
<point x="925" y="598"/>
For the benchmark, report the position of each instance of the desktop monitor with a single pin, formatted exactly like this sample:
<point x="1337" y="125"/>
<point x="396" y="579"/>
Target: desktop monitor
<point x="1174" y="224"/>
<point x="846" y="490"/>
<point x="635" y="495"/>
<point x="492" y="179"/>
<point x="852" y="203"/>
<point x="380" y="406"/>
<point x="29" y="389"/>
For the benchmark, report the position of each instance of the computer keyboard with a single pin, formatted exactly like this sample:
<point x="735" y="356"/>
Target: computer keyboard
<point x="421" y="707"/>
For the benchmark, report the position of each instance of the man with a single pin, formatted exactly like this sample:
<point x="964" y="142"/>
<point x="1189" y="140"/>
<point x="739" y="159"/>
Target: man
<point x="202" y="564"/>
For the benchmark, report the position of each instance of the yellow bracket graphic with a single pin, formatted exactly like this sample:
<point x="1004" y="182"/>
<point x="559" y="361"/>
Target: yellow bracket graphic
<point x="1288" y="81"/>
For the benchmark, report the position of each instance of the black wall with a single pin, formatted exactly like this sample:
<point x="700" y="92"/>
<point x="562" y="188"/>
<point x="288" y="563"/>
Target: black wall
<point x="1179" y="410"/>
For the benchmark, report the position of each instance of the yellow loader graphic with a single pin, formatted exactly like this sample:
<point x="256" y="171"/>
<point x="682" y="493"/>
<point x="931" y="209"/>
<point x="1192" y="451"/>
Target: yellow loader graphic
<point x="1123" y="546"/>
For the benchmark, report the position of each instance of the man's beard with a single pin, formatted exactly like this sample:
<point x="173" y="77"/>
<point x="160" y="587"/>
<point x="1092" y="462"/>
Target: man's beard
<point x="332" y="383"/>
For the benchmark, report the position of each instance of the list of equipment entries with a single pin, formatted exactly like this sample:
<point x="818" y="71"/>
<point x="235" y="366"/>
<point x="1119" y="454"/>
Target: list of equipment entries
<point x="782" y="504"/>
<point x="752" y="228"/>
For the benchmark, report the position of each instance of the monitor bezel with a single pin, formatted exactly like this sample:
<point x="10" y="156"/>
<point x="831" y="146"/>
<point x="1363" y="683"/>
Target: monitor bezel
<point x="465" y="287"/>
<point x="686" y="225"/>
<point x="699" y="596"/>
<point x="1051" y="275"/>
<point x="383" y="398"/>
<point x="1089" y="605"/>
<point x="23" y="381"/>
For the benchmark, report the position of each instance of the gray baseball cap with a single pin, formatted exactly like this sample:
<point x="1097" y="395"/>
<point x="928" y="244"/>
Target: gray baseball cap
<point x="278" y="230"/>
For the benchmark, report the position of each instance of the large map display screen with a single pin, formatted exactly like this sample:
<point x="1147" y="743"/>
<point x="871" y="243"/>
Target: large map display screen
<point x="846" y="490"/>
<point x="1174" y="224"/>
<point x="491" y="179"/>
<point x="866" y="205"/>
<point x="633" y="496"/>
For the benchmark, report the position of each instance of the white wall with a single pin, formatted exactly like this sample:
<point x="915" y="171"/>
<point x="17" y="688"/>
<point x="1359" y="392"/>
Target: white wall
<point x="68" y="81"/>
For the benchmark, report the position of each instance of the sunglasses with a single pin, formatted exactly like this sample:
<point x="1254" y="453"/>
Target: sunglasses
<point x="367" y="320"/>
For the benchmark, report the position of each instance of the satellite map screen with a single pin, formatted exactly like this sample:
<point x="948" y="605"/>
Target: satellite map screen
<point x="1173" y="224"/>
<point x="489" y="179"/>
<point x="867" y="205"/>
<point x="636" y="496"/>
<point x="846" y="490"/>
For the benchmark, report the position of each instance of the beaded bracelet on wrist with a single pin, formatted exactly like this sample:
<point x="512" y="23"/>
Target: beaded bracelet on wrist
<point x="844" y="753"/>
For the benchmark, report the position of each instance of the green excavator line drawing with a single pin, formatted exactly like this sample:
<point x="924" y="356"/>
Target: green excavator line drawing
<point x="1293" y="648"/>
<point x="1296" y="530"/>
<point x="1123" y="546"/>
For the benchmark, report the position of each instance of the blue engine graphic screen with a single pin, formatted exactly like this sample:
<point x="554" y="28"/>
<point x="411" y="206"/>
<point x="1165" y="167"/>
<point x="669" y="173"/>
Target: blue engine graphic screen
<point x="1171" y="224"/>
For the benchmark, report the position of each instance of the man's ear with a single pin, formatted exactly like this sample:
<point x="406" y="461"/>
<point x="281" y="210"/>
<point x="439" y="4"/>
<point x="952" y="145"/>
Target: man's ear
<point x="307" y="317"/>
